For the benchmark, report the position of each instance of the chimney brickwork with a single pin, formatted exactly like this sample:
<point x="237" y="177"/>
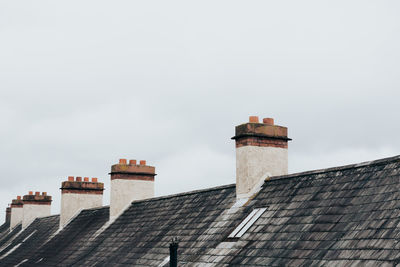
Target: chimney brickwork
<point x="34" y="206"/>
<point x="17" y="212"/>
<point x="261" y="151"/>
<point x="8" y="214"/>
<point x="129" y="182"/>
<point x="77" y="195"/>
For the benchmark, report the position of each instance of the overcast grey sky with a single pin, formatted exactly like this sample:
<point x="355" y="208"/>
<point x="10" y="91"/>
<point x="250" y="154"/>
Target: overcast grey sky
<point x="84" y="83"/>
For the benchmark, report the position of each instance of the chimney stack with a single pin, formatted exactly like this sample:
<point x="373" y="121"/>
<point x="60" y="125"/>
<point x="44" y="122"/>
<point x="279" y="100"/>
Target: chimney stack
<point x="77" y="195"/>
<point x="35" y="205"/>
<point x="8" y="214"/>
<point x="130" y="182"/>
<point x="261" y="151"/>
<point x="16" y="212"/>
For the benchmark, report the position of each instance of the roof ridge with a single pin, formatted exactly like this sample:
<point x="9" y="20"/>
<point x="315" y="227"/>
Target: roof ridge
<point x="97" y="208"/>
<point x="339" y="168"/>
<point x="186" y="193"/>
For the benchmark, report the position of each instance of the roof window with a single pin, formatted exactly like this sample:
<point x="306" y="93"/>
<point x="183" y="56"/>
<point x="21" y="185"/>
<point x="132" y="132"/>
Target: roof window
<point x="247" y="223"/>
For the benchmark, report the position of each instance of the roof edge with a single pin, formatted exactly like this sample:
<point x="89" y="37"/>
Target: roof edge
<point x="339" y="168"/>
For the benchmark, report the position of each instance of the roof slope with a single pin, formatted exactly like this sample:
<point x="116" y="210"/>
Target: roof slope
<point x="339" y="216"/>
<point x="26" y="243"/>
<point x="141" y="235"/>
<point x="73" y="242"/>
<point x="4" y="229"/>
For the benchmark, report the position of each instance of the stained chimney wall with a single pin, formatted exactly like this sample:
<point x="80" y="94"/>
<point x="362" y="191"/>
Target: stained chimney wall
<point x="35" y="206"/>
<point x="77" y="195"/>
<point x="17" y="212"/>
<point x="261" y="151"/>
<point x="129" y="182"/>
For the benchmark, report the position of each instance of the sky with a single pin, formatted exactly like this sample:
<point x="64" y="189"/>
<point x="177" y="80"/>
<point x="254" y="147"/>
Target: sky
<point x="85" y="83"/>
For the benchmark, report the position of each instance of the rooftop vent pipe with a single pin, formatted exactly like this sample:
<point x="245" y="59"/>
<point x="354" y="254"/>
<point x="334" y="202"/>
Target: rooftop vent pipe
<point x="173" y="253"/>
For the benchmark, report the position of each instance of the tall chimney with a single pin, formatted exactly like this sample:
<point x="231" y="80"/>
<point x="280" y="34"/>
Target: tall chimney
<point x="8" y="214"/>
<point x="35" y="205"/>
<point x="261" y="151"/>
<point x="130" y="182"/>
<point x="77" y="195"/>
<point x="16" y="212"/>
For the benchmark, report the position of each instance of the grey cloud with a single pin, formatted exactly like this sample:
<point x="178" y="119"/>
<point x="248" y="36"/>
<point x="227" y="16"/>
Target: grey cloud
<point x="85" y="83"/>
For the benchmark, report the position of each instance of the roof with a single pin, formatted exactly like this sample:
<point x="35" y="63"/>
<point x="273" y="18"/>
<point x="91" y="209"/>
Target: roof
<point x="338" y="216"/>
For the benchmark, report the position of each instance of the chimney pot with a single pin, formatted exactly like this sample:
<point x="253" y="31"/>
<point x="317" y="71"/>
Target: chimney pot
<point x="79" y="179"/>
<point x="19" y="197"/>
<point x="86" y="179"/>
<point x="122" y="161"/>
<point x="37" y="193"/>
<point x="269" y="121"/>
<point x="132" y="162"/>
<point x="142" y="162"/>
<point x="71" y="178"/>
<point x="253" y="119"/>
<point x="94" y="180"/>
<point x="31" y="193"/>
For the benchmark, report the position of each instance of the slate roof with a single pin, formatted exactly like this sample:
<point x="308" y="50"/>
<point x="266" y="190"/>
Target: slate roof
<point x="25" y="244"/>
<point x="4" y="229"/>
<point x="341" y="216"/>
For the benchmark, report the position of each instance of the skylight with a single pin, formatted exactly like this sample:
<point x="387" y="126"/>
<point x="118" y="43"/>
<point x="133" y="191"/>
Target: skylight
<point x="247" y="223"/>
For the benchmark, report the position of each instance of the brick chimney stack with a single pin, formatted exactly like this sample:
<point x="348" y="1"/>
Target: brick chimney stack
<point x="261" y="151"/>
<point x="35" y="205"/>
<point x="8" y="214"/>
<point x="77" y="195"/>
<point x="129" y="182"/>
<point x="16" y="212"/>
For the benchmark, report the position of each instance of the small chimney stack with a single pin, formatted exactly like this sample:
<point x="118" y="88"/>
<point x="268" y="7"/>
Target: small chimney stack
<point x="8" y="214"/>
<point x="77" y="195"/>
<point x="17" y="212"/>
<point x="130" y="182"/>
<point x="261" y="151"/>
<point x="35" y="205"/>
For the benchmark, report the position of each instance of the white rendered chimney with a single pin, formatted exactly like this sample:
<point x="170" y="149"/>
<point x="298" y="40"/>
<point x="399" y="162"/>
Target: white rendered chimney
<point x="77" y="195"/>
<point x="261" y="151"/>
<point x="130" y="182"/>
<point x="35" y="205"/>
<point x="16" y="212"/>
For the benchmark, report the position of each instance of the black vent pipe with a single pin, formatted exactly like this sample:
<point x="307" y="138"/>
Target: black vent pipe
<point x="173" y="253"/>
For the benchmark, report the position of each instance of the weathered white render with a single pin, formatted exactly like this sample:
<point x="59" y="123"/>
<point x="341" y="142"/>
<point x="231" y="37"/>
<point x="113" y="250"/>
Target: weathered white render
<point x="72" y="203"/>
<point x="255" y="163"/>
<point x="33" y="211"/>
<point x="124" y="191"/>
<point x="16" y="216"/>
